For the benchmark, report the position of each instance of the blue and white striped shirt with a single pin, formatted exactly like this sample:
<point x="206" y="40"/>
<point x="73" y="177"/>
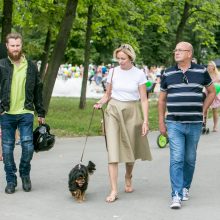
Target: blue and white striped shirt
<point x="185" y="97"/>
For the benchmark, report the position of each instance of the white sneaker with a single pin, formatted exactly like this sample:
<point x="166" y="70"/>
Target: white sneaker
<point x="176" y="202"/>
<point x="185" y="194"/>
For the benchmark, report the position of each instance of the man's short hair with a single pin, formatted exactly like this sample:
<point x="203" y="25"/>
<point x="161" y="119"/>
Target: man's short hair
<point x="13" y="36"/>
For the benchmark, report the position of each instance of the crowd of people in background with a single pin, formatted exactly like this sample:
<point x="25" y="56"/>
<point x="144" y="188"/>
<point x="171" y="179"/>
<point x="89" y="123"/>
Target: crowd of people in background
<point x="97" y="74"/>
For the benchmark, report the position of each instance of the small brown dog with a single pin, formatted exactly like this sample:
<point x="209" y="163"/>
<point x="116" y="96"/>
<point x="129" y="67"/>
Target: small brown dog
<point x="78" y="180"/>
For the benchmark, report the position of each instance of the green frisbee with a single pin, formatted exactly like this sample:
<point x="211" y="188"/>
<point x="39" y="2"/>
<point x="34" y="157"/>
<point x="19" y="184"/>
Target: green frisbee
<point x="162" y="141"/>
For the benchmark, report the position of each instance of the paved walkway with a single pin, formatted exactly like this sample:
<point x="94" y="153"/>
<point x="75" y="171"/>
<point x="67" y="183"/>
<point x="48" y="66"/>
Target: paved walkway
<point x="51" y="200"/>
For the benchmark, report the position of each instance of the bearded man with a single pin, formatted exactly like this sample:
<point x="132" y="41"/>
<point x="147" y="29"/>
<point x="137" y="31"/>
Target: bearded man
<point x="20" y="96"/>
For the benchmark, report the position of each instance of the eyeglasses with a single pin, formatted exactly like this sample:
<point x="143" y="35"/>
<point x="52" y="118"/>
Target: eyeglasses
<point x="179" y="50"/>
<point x="185" y="79"/>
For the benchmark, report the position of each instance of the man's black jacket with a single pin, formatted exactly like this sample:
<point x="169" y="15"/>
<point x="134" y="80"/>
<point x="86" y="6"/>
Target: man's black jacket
<point x="33" y="87"/>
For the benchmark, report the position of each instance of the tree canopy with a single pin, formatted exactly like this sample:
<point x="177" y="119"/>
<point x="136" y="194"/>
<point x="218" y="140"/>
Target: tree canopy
<point x="152" y="27"/>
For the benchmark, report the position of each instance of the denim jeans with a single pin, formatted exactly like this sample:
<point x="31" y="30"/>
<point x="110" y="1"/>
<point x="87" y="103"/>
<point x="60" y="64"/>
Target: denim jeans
<point x="98" y="80"/>
<point x="9" y="124"/>
<point x="183" y="141"/>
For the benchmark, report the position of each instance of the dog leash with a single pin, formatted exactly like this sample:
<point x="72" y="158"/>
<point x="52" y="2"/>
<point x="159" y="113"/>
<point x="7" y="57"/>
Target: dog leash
<point x="89" y="130"/>
<point x="103" y="118"/>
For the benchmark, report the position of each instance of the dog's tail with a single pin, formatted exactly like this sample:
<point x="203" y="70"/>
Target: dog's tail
<point x="91" y="167"/>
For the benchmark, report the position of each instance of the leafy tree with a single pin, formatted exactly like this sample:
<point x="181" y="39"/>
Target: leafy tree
<point x="151" y="27"/>
<point x="58" y="51"/>
<point x="6" y="19"/>
<point x="86" y="56"/>
<point x="197" y="22"/>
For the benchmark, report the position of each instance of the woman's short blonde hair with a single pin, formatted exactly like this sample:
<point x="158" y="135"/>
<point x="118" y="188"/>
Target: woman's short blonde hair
<point x="127" y="49"/>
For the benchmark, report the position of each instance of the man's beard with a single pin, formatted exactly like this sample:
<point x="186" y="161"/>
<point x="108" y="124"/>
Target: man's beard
<point x="15" y="57"/>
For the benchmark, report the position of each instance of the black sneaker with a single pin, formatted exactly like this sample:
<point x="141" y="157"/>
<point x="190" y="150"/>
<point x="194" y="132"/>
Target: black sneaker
<point x="26" y="183"/>
<point x="10" y="188"/>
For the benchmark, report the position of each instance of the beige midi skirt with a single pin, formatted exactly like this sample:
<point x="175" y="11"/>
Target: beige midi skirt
<point x="123" y="123"/>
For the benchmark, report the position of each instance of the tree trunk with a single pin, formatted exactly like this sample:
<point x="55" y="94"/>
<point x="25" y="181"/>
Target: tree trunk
<point x="82" y="103"/>
<point x="45" y="55"/>
<point x="7" y="19"/>
<point x="59" y="50"/>
<point x="182" y="23"/>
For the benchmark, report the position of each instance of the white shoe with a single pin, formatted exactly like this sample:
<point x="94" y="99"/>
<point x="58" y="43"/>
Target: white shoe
<point x="176" y="202"/>
<point x="185" y="194"/>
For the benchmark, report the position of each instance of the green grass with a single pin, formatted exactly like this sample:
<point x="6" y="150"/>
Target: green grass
<point x="67" y="120"/>
<point x="153" y="115"/>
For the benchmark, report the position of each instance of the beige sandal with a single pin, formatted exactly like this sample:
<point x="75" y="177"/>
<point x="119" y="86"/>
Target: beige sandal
<point x="128" y="184"/>
<point x="111" y="198"/>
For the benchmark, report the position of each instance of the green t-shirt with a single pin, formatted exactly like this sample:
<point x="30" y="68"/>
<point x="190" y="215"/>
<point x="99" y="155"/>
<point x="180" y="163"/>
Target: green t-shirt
<point x="17" y="96"/>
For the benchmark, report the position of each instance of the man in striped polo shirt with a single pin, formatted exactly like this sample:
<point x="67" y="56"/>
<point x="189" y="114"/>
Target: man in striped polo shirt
<point x="182" y="95"/>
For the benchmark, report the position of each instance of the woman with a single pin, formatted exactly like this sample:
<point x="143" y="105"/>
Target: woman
<point x="126" y="129"/>
<point x="213" y="72"/>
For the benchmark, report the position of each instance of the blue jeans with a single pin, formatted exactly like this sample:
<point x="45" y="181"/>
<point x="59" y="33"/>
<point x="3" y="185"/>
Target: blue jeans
<point x="183" y="141"/>
<point x="98" y="80"/>
<point x="9" y="124"/>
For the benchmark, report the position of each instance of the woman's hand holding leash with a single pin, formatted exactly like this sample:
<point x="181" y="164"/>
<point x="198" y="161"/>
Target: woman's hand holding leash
<point x="97" y="105"/>
<point x="101" y="102"/>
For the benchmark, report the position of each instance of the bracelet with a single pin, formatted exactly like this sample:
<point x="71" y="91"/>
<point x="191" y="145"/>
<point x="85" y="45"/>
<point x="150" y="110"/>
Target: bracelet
<point x="145" y="122"/>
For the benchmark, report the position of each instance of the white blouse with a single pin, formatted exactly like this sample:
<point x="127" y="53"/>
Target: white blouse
<point x="125" y="83"/>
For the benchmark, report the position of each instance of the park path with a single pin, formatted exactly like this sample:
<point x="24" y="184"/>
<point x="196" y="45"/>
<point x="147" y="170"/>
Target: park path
<point x="51" y="200"/>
